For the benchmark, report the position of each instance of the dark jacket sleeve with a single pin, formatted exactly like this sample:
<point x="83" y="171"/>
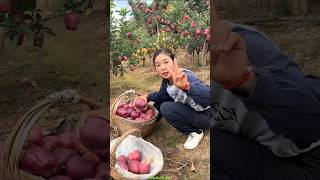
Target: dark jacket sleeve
<point x="287" y="99"/>
<point x="160" y="96"/>
<point x="198" y="91"/>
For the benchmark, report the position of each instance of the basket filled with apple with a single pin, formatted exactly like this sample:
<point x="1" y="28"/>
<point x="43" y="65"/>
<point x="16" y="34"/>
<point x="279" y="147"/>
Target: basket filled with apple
<point x="130" y="113"/>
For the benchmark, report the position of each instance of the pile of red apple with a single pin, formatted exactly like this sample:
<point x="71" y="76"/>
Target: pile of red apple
<point x="137" y="111"/>
<point x="133" y="163"/>
<point x="66" y="156"/>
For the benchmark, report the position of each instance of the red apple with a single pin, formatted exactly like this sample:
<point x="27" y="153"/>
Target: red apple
<point x="185" y="33"/>
<point x="198" y="32"/>
<point x="206" y="31"/>
<point x="71" y="21"/>
<point x="178" y="29"/>
<point x="129" y="34"/>
<point x="185" y="18"/>
<point x="124" y="58"/>
<point x="193" y="24"/>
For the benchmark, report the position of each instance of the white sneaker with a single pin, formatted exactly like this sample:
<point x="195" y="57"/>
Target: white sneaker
<point x="193" y="140"/>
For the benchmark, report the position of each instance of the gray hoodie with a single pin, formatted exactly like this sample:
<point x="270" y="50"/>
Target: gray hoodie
<point x="282" y="100"/>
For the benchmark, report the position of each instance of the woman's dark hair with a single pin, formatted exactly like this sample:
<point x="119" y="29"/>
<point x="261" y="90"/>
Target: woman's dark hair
<point x="165" y="51"/>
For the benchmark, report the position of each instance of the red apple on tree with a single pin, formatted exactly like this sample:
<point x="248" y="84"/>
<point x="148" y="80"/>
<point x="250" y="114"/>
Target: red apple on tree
<point x="185" y="33"/>
<point x="129" y="34"/>
<point x="172" y="26"/>
<point x="198" y="32"/>
<point x="193" y="24"/>
<point x="178" y="29"/>
<point x="71" y="21"/>
<point x="185" y="18"/>
<point x="124" y="58"/>
<point x="206" y="31"/>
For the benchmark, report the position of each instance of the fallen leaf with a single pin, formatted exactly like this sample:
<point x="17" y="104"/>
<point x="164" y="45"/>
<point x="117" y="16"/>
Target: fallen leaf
<point x="88" y="12"/>
<point x="193" y="168"/>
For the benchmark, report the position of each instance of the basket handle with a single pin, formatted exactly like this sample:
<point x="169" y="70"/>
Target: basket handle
<point x="14" y="143"/>
<point x="113" y="150"/>
<point x="116" y="104"/>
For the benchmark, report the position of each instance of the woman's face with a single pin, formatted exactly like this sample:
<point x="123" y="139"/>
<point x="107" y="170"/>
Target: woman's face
<point x="163" y="63"/>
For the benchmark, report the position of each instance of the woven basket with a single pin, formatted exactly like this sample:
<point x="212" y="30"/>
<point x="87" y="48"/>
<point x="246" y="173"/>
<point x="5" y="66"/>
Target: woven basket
<point x="124" y="125"/>
<point x="156" y="152"/>
<point x="9" y="166"/>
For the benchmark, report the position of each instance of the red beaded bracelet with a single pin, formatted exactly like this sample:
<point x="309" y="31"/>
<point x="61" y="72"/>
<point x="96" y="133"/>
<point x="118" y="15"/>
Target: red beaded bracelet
<point x="241" y="80"/>
<point x="185" y="87"/>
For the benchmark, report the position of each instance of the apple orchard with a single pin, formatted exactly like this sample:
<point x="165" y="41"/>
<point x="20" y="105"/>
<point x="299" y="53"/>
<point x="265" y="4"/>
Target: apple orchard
<point x="181" y="25"/>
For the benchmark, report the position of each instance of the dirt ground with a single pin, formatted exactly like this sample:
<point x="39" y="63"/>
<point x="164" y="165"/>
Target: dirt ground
<point x="300" y="41"/>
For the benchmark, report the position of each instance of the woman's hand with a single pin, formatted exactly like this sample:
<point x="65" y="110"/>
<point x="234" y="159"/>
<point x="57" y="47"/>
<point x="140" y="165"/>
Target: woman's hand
<point x="229" y="59"/>
<point x="179" y="78"/>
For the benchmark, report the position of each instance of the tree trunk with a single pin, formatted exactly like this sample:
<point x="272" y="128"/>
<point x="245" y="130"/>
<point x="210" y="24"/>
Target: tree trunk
<point x="299" y="7"/>
<point x="3" y="47"/>
<point x="40" y="59"/>
<point x="304" y="7"/>
<point x="192" y="60"/>
<point x="204" y="53"/>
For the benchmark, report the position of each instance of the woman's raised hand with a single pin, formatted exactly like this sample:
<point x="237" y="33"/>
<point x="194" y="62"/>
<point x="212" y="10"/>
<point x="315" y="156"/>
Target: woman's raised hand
<point x="179" y="78"/>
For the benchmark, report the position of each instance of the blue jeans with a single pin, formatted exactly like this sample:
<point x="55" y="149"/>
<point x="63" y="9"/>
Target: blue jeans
<point x="234" y="157"/>
<point x="184" y="118"/>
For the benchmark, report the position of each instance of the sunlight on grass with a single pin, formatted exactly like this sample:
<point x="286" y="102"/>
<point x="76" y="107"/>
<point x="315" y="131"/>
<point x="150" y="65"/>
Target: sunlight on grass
<point x="141" y="82"/>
